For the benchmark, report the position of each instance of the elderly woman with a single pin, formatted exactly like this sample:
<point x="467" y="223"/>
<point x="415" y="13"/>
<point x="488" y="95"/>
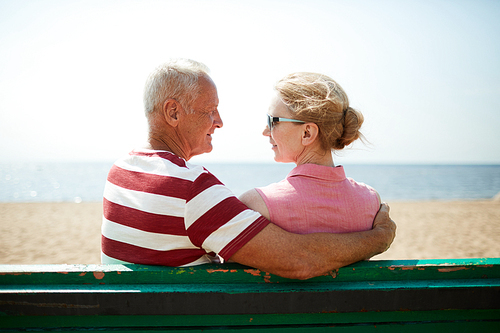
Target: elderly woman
<point x="309" y="118"/>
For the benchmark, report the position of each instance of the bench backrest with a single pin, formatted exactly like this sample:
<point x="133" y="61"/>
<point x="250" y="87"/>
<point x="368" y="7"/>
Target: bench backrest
<point x="432" y="294"/>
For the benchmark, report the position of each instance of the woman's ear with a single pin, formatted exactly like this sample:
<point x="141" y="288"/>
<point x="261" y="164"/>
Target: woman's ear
<point x="310" y="133"/>
<point x="171" y="110"/>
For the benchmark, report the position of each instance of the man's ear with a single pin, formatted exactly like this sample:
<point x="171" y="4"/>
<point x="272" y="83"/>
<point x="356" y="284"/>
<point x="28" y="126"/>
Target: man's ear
<point x="310" y="133"/>
<point x="171" y="110"/>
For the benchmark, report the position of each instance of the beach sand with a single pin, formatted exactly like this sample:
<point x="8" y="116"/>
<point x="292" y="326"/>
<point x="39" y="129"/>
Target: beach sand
<point x="69" y="233"/>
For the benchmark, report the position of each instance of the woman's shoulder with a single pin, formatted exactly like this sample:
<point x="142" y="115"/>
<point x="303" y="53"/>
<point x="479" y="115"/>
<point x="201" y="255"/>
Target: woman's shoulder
<point x="363" y="188"/>
<point x="253" y="200"/>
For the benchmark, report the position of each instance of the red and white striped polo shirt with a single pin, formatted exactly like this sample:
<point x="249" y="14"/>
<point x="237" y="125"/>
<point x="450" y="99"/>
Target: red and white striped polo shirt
<point x="161" y="210"/>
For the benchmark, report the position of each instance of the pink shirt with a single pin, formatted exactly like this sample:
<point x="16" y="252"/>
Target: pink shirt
<point x="315" y="198"/>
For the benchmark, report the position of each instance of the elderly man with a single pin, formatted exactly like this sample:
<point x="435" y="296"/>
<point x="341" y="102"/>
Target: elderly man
<point x="161" y="210"/>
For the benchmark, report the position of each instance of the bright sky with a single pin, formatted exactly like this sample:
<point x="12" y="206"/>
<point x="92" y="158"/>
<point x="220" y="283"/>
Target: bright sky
<point x="425" y="74"/>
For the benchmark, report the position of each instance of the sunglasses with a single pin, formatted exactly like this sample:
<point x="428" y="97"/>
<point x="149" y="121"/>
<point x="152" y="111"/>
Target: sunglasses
<point x="272" y="121"/>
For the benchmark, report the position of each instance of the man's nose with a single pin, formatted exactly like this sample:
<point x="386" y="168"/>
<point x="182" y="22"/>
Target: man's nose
<point x="218" y="120"/>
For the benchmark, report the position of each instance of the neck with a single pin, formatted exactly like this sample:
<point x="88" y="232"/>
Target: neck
<point x="162" y="136"/>
<point x="165" y="142"/>
<point x="319" y="157"/>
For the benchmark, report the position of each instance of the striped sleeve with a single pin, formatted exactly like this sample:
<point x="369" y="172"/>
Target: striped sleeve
<point x="216" y="220"/>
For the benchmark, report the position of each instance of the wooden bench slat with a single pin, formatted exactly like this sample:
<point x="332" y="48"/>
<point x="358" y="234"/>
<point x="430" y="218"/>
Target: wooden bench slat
<point x="430" y="295"/>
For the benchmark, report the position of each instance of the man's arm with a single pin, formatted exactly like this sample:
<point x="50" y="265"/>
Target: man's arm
<point x="279" y="252"/>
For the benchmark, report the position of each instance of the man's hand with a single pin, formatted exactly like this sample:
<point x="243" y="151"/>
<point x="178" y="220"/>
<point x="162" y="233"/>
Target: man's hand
<point x="385" y="227"/>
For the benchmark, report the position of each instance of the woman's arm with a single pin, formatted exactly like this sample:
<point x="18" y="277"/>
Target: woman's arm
<point x="254" y="201"/>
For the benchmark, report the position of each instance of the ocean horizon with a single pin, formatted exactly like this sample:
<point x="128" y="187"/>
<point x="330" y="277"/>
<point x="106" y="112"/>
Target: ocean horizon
<point x="84" y="181"/>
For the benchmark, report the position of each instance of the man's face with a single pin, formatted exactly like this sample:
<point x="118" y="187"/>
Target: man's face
<point x="198" y="125"/>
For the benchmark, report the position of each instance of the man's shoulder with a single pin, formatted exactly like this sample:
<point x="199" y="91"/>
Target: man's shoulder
<point x="159" y="163"/>
<point x="149" y="155"/>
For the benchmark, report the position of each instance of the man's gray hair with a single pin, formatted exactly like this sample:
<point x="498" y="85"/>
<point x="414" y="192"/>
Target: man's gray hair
<point x="176" y="79"/>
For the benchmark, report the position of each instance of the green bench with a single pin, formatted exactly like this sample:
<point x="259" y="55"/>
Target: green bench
<point x="380" y="296"/>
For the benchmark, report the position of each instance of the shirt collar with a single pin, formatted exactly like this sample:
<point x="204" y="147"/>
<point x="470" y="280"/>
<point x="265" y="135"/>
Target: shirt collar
<point x="319" y="172"/>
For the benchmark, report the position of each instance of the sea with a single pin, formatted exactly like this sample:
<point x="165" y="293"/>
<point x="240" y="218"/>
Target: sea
<point x="84" y="182"/>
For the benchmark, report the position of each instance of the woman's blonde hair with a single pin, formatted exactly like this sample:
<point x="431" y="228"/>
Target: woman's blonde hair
<point x="317" y="98"/>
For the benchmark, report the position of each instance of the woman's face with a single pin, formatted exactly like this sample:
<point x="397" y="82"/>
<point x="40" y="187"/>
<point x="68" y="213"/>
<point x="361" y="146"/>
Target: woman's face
<point x="285" y="137"/>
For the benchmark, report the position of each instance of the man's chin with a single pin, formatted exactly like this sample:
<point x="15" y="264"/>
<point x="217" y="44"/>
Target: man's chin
<point x="206" y="150"/>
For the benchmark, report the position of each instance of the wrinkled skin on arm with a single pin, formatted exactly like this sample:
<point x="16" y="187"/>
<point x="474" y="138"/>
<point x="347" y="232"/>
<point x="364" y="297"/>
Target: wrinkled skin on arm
<point x="289" y="255"/>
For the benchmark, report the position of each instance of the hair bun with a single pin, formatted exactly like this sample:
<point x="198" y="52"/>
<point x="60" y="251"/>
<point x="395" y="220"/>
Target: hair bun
<point x="352" y="121"/>
<point x="317" y="98"/>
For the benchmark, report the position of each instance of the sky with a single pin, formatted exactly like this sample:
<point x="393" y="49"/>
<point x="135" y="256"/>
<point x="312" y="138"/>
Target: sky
<point x="425" y="74"/>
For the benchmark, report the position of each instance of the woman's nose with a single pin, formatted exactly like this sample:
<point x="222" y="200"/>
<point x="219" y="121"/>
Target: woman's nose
<point x="267" y="131"/>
